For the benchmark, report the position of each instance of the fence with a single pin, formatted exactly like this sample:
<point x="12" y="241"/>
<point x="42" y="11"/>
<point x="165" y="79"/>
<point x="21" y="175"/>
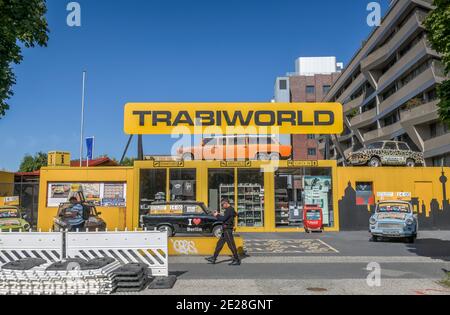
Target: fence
<point x="149" y="248"/>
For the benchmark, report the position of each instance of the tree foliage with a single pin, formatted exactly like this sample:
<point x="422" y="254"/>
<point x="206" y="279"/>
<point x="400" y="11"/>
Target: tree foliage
<point x="438" y="28"/>
<point x="22" y="23"/>
<point x="33" y="163"/>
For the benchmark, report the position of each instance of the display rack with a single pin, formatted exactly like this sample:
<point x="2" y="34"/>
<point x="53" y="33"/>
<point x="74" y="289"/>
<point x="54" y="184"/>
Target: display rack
<point x="250" y="203"/>
<point x="281" y="207"/>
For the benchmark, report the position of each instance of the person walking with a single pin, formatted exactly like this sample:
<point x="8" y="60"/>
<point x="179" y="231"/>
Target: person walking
<point x="228" y="221"/>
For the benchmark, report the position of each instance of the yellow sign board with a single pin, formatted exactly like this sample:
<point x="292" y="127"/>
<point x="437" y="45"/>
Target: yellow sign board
<point x="303" y="163"/>
<point x="233" y="118"/>
<point x="58" y="158"/>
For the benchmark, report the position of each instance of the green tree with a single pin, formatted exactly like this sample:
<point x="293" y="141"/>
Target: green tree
<point x="127" y="162"/>
<point x="22" y="22"/>
<point x="33" y="163"/>
<point x="438" y="28"/>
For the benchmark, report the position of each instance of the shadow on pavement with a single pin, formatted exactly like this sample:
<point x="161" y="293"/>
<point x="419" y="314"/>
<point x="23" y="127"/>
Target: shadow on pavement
<point x="432" y="248"/>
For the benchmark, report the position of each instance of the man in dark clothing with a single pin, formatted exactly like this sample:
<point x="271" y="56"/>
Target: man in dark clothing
<point x="227" y="235"/>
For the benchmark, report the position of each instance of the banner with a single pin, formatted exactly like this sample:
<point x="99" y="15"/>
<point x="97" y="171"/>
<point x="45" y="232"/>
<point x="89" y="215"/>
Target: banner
<point x="90" y="148"/>
<point x="233" y="118"/>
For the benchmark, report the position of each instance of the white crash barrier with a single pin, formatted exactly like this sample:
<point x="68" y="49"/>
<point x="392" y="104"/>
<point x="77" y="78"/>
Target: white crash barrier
<point x="16" y="246"/>
<point x="149" y="248"/>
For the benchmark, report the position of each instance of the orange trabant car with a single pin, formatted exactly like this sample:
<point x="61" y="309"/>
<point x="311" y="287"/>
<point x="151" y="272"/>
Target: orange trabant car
<point x="231" y="148"/>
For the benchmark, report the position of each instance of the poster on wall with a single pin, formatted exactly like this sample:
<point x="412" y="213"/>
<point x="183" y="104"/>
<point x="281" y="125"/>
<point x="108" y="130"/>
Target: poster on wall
<point x="317" y="190"/>
<point x="101" y="194"/>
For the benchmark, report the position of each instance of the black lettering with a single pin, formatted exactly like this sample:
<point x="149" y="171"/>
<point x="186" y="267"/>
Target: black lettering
<point x="162" y="117"/>
<point x="319" y="122"/>
<point x="206" y="118"/>
<point x="219" y="119"/>
<point x="286" y="117"/>
<point x="259" y="121"/>
<point x="183" y="118"/>
<point x="301" y="122"/>
<point x="238" y="116"/>
<point x="141" y="117"/>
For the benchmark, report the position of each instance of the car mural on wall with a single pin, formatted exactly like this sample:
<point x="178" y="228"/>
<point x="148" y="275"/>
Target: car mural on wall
<point x="182" y="217"/>
<point x="11" y="219"/>
<point x="387" y="153"/>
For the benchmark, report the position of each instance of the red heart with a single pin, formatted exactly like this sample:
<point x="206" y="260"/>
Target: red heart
<point x="197" y="221"/>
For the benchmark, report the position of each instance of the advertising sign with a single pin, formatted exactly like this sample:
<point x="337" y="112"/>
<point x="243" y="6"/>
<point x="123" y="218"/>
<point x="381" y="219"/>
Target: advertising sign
<point x="90" y="148"/>
<point x="101" y="194"/>
<point x="233" y="118"/>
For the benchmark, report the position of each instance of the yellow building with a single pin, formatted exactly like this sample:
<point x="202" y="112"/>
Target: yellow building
<point x="6" y="185"/>
<point x="268" y="198"/>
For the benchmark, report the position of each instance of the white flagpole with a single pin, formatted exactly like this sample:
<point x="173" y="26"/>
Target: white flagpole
<point x="82" y="118"/>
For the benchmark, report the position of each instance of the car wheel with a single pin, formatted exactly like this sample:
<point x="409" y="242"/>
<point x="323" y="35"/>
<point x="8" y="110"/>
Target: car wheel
<point x="168" y="229"/>
<point x="217" y="231"/>
<point x="411" y="163"/>
<point x="411" y="240"/>
<point x="188" y="157"/>
<point x="262" y="157"/>
<point x="375" y="239"/>
<point x="275" y="157"/>
<point x="374" y="162"/>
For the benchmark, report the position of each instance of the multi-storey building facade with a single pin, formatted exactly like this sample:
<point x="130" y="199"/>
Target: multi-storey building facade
<point x="310" y="83"/>
<point x="389" y="88"/>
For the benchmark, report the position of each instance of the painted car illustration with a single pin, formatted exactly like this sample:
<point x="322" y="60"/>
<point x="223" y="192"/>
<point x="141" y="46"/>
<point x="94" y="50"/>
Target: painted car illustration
<point x="387" y="153"/>
<point x="183" y="217"/>
<point x="11" y="220"/>
<point x="92" y="218"/>
<point x="394" y="220"/>
<point x="222" y="148"/>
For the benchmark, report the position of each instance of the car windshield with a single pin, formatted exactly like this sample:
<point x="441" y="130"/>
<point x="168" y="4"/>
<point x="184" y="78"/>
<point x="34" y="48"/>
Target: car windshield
<point x="9" y="214"/>
<point x="375" y="146"/>
<point x="394" y="208"/>
<point x="313" y="215"/>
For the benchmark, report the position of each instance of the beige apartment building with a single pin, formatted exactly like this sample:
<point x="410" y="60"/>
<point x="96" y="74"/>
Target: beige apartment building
<point x="389" y="89"/>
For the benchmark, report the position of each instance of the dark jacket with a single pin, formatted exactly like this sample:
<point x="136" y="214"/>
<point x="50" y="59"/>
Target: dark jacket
<point x="228" y="218"/>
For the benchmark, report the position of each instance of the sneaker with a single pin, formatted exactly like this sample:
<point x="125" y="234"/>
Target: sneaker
<point x="236" y="263"/>
<point x="211" y="260"/>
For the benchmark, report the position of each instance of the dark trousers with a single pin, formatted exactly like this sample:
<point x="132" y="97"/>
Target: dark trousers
<point x="228" y="238"/>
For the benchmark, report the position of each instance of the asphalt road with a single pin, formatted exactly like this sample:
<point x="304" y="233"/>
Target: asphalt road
<point x="329" y="263"/>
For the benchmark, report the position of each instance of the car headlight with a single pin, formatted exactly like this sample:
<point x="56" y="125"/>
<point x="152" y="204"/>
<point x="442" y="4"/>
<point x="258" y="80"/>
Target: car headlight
<point x="373" y="221"/>
<point x="410" y="222"/>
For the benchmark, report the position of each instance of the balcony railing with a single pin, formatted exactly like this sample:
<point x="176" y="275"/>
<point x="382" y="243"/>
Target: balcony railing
<point x="356" y="103"/>
<point x="411" y="89"/>
<point x="437" y="145"/>
<point x="364" y="118"/>
<point x="384" y="52"/>
<point x="387" y="132"/>
<point x="419" y="50"/>
<point x="419" y="111"/>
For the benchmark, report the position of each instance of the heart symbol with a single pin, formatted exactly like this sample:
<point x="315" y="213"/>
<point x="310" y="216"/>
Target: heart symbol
<point x="197" y="221"/>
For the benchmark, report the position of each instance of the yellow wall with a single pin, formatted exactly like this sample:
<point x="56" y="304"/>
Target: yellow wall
<point x="422" y="183"/>
<point x="6" y="185"/>
<point x="116" y="218"/>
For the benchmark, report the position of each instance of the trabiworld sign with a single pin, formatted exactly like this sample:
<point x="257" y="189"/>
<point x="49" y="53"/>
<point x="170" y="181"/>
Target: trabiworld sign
<point x="233" y="118"/>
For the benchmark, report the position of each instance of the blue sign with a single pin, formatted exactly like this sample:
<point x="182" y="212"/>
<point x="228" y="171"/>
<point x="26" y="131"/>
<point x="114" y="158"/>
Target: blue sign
<point x="90" y="148"/>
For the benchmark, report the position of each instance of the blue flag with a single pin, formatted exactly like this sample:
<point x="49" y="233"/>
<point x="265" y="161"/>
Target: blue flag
<point x="90" y="148"/>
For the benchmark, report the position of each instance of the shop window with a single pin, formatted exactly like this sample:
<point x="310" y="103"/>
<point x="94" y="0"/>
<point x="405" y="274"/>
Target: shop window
<point x="183" y="185"/>
<point x="364" y="194"/>
<point x="250" y="201"/>
<point x="297" y="188"/>
<point x="220" y="186"/>
<point x="153" y="186"/>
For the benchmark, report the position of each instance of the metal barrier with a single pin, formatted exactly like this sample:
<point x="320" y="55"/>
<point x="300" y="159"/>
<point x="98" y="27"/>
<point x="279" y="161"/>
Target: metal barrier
<point x="16" y="246"/>
<point x="149" y="248"/>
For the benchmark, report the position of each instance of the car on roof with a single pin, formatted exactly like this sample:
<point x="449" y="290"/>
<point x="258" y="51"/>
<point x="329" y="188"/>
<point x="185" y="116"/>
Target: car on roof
<point x="394" y="220"/>
<point x="182" y="217"/>
<point x="387" y="153"/>
<point x="11" y="219"/>
<point x="232" y="148"/>
<point x="92" y="217"/>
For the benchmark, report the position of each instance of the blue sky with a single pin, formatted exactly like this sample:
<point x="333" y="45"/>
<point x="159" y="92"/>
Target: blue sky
<point x="163" y="51"/>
